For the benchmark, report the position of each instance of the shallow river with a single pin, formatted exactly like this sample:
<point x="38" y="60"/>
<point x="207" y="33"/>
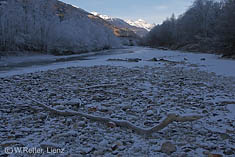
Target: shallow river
<point x="27" y="64"/>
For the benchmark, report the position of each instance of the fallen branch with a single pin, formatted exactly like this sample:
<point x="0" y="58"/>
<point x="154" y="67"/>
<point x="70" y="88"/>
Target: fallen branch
<point x="122" y="123"/>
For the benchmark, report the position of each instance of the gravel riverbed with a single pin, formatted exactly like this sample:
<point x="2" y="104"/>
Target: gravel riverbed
<point x="141" y="95"/>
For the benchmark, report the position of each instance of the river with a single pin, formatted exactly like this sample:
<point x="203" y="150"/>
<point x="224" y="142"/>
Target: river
<point x="27" y="64"/>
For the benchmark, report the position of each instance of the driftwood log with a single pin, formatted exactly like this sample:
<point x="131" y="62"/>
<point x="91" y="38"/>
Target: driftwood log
<point x="122" y="123"/>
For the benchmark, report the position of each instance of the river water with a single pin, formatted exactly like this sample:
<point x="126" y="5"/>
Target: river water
<point x="27" y="64"/>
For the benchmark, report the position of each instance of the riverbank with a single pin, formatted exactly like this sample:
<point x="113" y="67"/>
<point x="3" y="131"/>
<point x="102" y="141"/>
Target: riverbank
<point x="142" y="95"/>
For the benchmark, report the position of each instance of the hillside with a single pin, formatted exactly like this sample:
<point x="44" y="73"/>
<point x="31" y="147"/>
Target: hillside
<point x="122" y="24"/>
<point x="51" y="27"/>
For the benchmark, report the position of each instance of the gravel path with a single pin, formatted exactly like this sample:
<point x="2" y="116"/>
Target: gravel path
<point x="141" y="95"/>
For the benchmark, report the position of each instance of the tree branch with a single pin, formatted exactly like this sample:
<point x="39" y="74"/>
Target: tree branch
<point x="122" y="123"/>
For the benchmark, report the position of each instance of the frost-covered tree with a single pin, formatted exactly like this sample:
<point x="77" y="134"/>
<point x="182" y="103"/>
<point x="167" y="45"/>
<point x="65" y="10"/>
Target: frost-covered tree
<point x="51" y="26"/>
<point x="206" y="26"/>
<point x="226" y="26"/>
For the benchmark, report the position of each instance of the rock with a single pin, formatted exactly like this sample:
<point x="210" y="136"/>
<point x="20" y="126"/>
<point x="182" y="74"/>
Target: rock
<point x="126" y="107"/>
<point x="229" y="152"/>
<point x="52" y="94"/>
<point x="148" y="123"/>
<point x="116" y="59"/>
<point x="104" y="143"/>
<point x="121" y="148"/>
<point x="203" y="59"/>
<point x="153" y="141"/>
<point x="215" y="155"/>
<point x="111" y="124"/>
<point x="224" y="136"/>
<point x="99" y="152"/>
<point x="153" y="59"/>
<point x="83" y="137"/>
<point x="47" y="145"/>
<point x="60" y="107"/>
<point x="116" y="145"/>
<point x="149" y="113"/>
<point x="106" y="105"/>
<point x="115" y="152"/>
<point x="168" y="148"/>
<point x="73" y="77"/>
<point x="19" y="135"/>
<point x="87" y="150"/>
<point x="136" y="148"/>
<point x="82" y="124"/>
<point x="103" y="109"/>
<point x="92" y="109"/>
<point x="163" y="48"/>
<point x="133" y="59"/>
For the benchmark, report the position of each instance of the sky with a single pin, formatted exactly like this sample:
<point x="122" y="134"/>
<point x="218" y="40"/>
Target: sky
<point x="152" y="11"/>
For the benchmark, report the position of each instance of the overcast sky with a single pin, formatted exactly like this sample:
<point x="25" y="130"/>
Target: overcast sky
<point x="152" y="11"/>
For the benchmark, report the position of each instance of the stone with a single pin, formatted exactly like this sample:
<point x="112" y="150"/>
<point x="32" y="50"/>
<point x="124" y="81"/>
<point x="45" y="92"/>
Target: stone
<point x="81" y="124"/>
<point x="203" y="59"/>
<point x="104" y="143"/>
<point x="114" y="147"/>
<point x="215" y="155"/>
<point x="73" y="77"/>
<point x="149" y="113"/>
<point x="153" y="59"/>
<point x="134" y="59"/>
<point x="148" y="123"/>
<point x="60" y="107"/>
<point x="46" y="145"/>
<point x="87" y="150"/>
<point x="103" y="109"/>
<point x="92" y="109"/>
<point x="115" y="152"/>
<point x="126" y="107"/>
<point x="99" y="152"/>
<point x="224" y="136"/>
<point x="168" y="148"/>
<point x="121" y="148"/>
<point x="111" y="124"/>
<point x="229" y="152"/>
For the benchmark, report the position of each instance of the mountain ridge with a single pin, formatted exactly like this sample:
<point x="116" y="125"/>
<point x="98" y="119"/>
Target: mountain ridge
<point x="118" y="22"/>
<point x="141" y="23"/>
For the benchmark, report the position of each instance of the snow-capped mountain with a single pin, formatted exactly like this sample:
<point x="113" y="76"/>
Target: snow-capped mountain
<point x="140" y="23"/>
<point x="105" y="17"/>
<point x="120" y="23"/>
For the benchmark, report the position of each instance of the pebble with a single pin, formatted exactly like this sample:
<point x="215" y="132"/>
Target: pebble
<point x="111" y="124"/>
<point x="129" y="101"/>
<point x="168" y="148"/>
<point x="60" y="107"/>
<point x="82" y="124"/>
<point x="104" y="143"/>
<point x="149" y="113"/>
<point x="229" y="152"/>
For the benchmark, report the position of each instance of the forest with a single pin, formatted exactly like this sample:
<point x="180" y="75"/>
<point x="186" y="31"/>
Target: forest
<point x="50" y="27"/>
<point x="207" y="26"/>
